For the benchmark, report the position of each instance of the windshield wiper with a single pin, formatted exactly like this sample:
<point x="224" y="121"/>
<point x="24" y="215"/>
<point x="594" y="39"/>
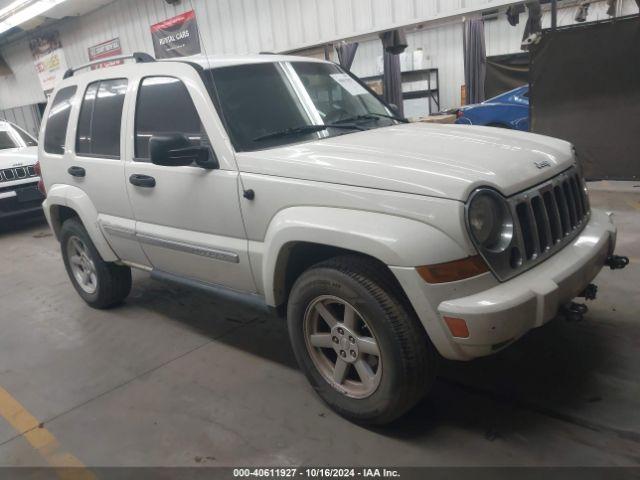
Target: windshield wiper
<point x="305" y="129"/>
<point x="370" y="116"/>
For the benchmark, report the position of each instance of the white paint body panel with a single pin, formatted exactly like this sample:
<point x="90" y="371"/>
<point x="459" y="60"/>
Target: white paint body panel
<point x="396" y="194"/>
<point x="18" y="157"/>
<point x="446" y="161"/>
<point x="498" y="314"/>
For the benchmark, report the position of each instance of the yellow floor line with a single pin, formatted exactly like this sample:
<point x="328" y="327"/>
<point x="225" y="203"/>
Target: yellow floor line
<point x="67" y="466"/>
<point x="634" y="203"/>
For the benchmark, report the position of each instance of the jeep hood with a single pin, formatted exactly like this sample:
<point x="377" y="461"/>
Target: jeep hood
<point x="18" y="157"/>
<point x="447" y="161"/>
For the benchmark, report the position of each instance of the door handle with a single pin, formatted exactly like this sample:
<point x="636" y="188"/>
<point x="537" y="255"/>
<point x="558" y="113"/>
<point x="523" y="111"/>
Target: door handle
<point x="144" y="181"/>
<point x="77" y="171"/>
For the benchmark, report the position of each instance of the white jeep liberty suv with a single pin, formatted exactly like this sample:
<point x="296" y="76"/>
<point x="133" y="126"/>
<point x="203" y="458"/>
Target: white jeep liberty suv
<point x="286" y="181"/>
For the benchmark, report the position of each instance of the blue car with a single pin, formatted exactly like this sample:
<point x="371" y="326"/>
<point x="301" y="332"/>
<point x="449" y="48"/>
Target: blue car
<point x="509" y="110"/>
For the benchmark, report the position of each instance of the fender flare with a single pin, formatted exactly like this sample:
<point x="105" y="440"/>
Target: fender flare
<point x="395" y="241"/>
<point x="77" y="200"/>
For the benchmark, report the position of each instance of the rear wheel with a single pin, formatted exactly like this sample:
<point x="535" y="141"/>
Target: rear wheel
<point x="360" y="346"/>
<point x="101" y="284"/>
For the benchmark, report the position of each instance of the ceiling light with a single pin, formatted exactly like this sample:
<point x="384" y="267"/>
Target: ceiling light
<point x="12" y="6"/>
<point x="25" y="14"/>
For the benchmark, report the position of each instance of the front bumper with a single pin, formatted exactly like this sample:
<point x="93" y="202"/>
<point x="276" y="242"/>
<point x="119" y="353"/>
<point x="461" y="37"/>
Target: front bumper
<point x="20" y="199"/>
<point x="502" y="313"/>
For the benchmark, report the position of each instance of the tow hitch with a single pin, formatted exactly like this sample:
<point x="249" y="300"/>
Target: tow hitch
<point x="616" y="262"/>
<point x="574" y="312"/>
<point x="590" y="292"/>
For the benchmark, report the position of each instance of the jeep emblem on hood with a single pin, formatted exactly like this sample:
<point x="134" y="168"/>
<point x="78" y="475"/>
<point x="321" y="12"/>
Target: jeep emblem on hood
<point x="542" y="164"/>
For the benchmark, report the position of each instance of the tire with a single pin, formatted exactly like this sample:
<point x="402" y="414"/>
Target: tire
<point x="110" y="284"/>
<point x="406" y="365"/>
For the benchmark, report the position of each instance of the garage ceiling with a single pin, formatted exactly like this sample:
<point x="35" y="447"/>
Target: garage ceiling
<point x="68" y="8"/>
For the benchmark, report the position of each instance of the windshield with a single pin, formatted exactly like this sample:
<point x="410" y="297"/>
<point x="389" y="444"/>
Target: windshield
<point x="272" y="104"/>
<point x="6" y="141"/>
<point x="28" y="140"/>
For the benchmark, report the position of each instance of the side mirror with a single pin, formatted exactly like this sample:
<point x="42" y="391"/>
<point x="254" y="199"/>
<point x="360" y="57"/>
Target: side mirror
<point x="175" y="150"/>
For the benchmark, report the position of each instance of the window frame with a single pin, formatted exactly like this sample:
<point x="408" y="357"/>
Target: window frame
<point x="122" y="119"/>
<point x="140" y="81"/>
<point x="71" y="99"/>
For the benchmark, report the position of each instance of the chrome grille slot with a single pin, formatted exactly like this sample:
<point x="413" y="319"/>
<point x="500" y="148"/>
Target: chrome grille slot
<point x="564" y="209"/>
<point x="553" y="214"/>
<point x="9" y="174"/>
<point x="546" y="218"/>
<point x="579" y="199"/>
<point x="542" y="223"/>
<point x="526" y="228"/>
<point x="568" y="195"/>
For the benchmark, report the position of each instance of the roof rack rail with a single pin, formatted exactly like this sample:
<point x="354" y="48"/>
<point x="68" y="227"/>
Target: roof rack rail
<point x="139" y="57"/>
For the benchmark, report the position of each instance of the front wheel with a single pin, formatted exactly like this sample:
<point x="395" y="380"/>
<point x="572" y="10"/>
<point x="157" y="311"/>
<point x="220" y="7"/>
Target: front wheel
<point x="362" y="349"/>
<point x="99" y="283"/>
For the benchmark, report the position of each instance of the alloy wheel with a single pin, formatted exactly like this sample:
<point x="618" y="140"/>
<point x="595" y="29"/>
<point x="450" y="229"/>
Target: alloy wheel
<point x="82" y="267"/>
<point x="342" y="346"/>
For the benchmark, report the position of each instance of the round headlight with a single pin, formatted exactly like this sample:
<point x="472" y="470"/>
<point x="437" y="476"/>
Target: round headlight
<point x="490" y="221"/>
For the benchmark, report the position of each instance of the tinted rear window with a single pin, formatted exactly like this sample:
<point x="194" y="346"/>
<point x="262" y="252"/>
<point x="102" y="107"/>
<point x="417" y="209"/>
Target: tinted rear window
<point x="100" y="119"/>
<point x="58" y="121"/>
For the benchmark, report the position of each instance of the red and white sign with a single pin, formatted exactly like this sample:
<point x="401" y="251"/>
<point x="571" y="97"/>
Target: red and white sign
<point x="110" y="48"/>
<point x="177" y="36"/>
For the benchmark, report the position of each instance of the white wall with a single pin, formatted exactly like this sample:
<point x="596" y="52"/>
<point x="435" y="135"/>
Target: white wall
<point x="442" y="43"/>
<point x="248" y="26"/>
<point x="27" y="117"/>
<point x="227" y="26"/>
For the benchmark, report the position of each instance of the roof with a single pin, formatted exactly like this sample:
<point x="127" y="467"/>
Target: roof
<point x="216" y="61"/>
<point x="204" y="61"/>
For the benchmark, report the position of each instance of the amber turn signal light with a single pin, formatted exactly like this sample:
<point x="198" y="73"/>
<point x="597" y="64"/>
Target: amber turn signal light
<point x="457" y="327"/>
<point x="452" y="271"/>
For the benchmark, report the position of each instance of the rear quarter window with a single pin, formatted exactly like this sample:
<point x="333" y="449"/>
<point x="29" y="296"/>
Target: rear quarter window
<point x="58" y="120"/>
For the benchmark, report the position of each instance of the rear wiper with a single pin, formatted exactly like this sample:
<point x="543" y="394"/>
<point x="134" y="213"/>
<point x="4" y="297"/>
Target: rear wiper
<point x="371" y="116"/>
<point x="304" y="129"/>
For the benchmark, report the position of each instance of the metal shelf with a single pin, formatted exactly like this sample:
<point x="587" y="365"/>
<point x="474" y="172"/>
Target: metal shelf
<point x="432" y="93"/>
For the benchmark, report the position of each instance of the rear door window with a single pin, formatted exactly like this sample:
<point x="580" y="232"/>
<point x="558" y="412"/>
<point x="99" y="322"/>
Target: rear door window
<point x="100" y="119"/>
<point x="58" y="121"/>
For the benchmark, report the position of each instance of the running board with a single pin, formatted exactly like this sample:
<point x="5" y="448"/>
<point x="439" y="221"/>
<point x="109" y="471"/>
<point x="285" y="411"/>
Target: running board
<point x="251" y="300"/>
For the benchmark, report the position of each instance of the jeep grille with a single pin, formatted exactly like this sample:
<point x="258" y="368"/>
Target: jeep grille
<point x="17" y="173"/>
<point x="546" y="218"/>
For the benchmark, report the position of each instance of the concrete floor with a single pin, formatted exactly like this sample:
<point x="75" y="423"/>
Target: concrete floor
<point x="174" y="378"/>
